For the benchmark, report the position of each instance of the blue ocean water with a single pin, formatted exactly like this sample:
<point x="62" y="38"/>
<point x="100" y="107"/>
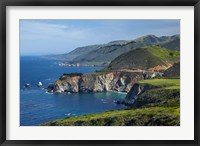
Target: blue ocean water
<point x="37" y="106"/>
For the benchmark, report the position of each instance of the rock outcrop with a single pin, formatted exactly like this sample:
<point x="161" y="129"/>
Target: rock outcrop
<point x="98" y="82"/>
<point x="173" y="71"/>
<point x="162" y="92"/>
<point x="136" y="90"/>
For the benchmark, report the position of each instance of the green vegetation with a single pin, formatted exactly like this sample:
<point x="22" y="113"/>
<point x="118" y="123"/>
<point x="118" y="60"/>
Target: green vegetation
<point x="164" y="54"/>
<point x="168" y="93"/>
<point x="145" y="58"/>
<point x="158" y="97"/>
<point x="73" y="74"/>
<point x="95" y="63"/>
<point x="152" y="116"/>
<point x="65" y="75"/>
<point x="172" y="83"/>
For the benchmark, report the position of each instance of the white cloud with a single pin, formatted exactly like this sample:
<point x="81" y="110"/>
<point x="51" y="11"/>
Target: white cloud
<point x="40" y="30"/>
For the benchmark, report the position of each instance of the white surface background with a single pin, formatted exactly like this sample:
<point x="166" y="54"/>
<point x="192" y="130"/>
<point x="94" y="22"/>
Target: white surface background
<point x="183" y="132"/>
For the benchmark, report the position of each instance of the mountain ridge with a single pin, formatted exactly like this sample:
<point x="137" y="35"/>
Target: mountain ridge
<point x="103" y="54"/>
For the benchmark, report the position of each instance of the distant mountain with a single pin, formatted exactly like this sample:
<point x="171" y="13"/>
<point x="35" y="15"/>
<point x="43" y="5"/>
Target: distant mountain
<point x="76" y="52"/>
<point x="102" y="55"/>
<point x="147" y="58"/>
<point x="173" y="44"/>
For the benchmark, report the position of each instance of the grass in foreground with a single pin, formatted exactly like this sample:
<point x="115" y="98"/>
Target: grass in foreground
<point x="152" y="116"/>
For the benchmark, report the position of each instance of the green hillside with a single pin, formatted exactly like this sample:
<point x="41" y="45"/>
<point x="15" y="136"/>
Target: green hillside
<point x="166" y="83"/>
<point x="145" y="58"/>
<point x="163" y="92"/>
<point x="152" y="116"/>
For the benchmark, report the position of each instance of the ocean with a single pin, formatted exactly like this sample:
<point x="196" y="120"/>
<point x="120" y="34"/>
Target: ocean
<point x="37" y="106"/>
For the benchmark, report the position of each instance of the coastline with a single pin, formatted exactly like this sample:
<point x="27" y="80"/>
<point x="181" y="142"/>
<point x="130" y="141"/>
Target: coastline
<point x="160" y="102"/>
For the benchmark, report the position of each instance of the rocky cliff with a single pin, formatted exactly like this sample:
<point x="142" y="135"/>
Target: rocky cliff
<point x="98" y="82"/>
<point x="152" y="91"/>
<point x="173" y="71"/>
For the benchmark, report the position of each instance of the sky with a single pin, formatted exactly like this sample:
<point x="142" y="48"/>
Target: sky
<point x="47" y="37"/>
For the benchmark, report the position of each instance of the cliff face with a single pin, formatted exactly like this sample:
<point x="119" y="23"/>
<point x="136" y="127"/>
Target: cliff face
<point x="173" y="71"/>
<point x="137" y="90"/>
<point x="153" y="91"/>
<point x="97" y="82"/>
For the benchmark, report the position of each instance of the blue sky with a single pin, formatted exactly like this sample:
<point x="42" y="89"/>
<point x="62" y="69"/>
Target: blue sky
<point x="43" y="37"/>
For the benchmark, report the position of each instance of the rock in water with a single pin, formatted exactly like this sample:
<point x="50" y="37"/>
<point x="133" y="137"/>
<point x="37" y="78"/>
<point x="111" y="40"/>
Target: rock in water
<point x="39" y="84"/>
<point x="50" y="88"/>
<point x="27" y="85"/>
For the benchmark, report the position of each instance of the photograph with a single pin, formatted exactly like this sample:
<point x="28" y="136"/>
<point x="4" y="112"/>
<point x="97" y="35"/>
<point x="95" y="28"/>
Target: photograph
<point x="99" y="72"/>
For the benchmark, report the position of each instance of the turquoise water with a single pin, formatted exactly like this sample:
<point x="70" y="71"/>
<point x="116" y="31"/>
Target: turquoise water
<point x="37" y="106"/>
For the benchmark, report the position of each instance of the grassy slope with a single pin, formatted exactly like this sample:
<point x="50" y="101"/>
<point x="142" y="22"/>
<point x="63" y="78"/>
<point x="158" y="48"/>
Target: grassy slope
<point x="144" y="58"/>
<point x="167" y="95"/>
<point x="133" y="117"/>
<point x="155" y="107"/>
<point x="158" y="97"/>
<point x="164" y="54"/>
<point x="167" y="83"/>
